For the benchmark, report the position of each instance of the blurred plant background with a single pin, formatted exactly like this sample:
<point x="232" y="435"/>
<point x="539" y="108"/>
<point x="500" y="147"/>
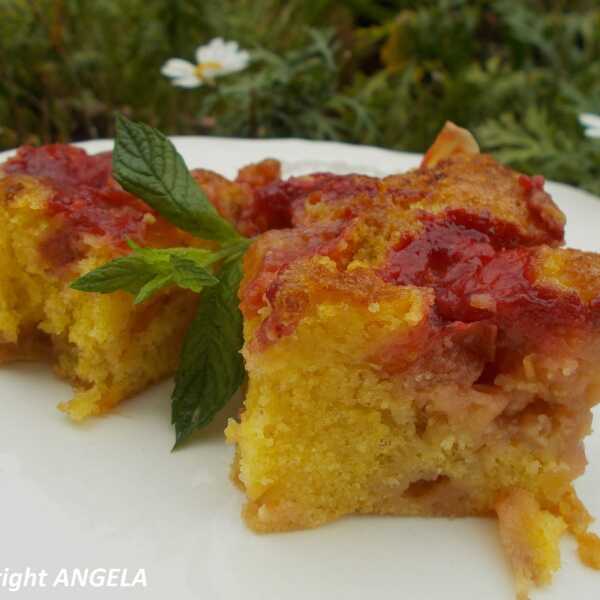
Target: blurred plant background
<point x="384" y="72"/>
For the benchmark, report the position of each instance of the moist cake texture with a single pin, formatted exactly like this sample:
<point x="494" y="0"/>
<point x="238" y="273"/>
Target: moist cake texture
<point x="62" y="215"/>
<point x="420" y="345"/>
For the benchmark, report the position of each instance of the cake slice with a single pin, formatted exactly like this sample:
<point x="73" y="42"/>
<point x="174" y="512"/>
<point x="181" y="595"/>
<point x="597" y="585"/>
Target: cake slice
<point x="421" y="345"/>
<point x="62" y="215"/>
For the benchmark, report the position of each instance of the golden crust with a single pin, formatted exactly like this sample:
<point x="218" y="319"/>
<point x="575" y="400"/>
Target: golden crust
<point x="480" y="185"/>
<point x="359" y="221"/>
<point x="570" y="271"/>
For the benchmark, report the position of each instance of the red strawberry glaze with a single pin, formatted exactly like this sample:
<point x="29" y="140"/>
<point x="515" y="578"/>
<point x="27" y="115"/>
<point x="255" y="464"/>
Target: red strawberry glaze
<point x="478" y="273"/>
<point x="85" y="194"/>
<point x="281" y="203"/>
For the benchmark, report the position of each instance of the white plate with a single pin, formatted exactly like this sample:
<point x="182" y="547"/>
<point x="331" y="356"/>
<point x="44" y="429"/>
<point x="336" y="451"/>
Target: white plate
<point x="111" y="494"/>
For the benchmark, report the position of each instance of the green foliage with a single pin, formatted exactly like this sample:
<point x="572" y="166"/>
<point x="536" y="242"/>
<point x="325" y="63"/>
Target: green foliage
<point x="295" y="93"/>
<point x="534" y="143"/>
<point x="386" y="72"/>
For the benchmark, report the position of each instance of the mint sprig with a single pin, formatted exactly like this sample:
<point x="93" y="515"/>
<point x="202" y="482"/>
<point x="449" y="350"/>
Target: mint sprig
<point x="147" y="165"/>
<point x="211" y="368"/>
<point x="147" y="270"/>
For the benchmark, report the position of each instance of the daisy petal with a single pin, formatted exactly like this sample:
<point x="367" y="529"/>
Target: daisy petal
<point x="593" y="132"/>
<point x="589" y="120"/>
<point x="210" y="52"/>
<point x="205" y="54"/>
<point x="177" y="67"/>
<point x="235" y="63"/>
<point x="190" y="81"/>
<point x="243" y="59"/>
<point x="219" y="57"/>
<point x="230" y="68"/>
<point x="238" y="59"/>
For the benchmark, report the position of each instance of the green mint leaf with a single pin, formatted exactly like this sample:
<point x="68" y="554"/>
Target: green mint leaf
<point x="147" y="270"/>
<point x="128" y="273"/>
<point x="190" y="275"/>
<point x="151" y="287"/>
<point x="198" y="256"/>
<point x="147" y="165"/>
<point x="211" y="368"/>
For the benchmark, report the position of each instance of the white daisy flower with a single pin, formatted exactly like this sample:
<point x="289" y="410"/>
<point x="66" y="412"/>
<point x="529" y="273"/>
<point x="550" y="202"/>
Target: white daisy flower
<point x="591" y="124"/>
<point x="214" y="59"/>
